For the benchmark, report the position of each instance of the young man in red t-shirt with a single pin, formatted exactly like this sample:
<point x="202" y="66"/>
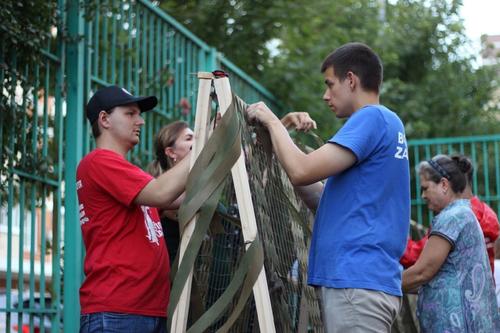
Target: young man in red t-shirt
<point x="488" y="221"/>
<point x="126" y="286"/>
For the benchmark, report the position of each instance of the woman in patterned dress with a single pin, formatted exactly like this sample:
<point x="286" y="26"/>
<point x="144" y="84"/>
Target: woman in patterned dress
<point x="455" y="286"/>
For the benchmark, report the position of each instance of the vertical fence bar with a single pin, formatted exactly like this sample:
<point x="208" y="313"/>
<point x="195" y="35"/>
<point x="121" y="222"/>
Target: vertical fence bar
<point x="96" y="38"/>
<point x="171" y="63"/>
<point x="202" y="60"/>
<point x="141" y="88"/>
<point x="212" y="59"/>
<point x="32" y="252"/>
<point x="34" y="151"/>
<point x="105" y="45"/>
<point x="181" y="60"/>
<point x="497" y="176"/>
<point x="178" y="78"/>
<point x="131" y="37"/>
<point x="165" y="67"/>
<point x="114" y="18"/>
<point x="10" y="203"/>
<point x="189" y="77"/>
<point x="121" y="33"/>
<point x="35" y="157"/>
<point x="57" y="200"/>
<point x="73" y="153"/>
<point x="417" y="186"/>
<point x="20" y="272"/>
<point x="486" y="164"/>
<point x="476" y="164"/>
<point x="12" y="145"/>
<point x="427" y="157"/>
<point x="44" y="190"/>
<point x="90" y="66"/>
<point x="136" y="73"/>
<point x="152" y="80"/>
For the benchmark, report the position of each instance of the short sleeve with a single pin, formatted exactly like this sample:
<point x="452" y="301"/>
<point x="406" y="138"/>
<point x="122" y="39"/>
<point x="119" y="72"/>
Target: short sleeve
<point x="362" y="132"/>
<point x="449" y="226"/>
<point x="118" y="177"/>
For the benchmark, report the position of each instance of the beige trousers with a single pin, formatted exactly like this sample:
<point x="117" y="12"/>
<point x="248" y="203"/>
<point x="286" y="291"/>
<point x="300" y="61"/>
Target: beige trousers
<point x="358" y="310"/>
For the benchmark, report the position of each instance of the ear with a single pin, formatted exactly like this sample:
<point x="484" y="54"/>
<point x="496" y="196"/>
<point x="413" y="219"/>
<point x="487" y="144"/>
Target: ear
<point x="169" y="151"/>
<point x="445" y="184"/>
<point x="103" y="119"/>
<point x="352" y="80"/>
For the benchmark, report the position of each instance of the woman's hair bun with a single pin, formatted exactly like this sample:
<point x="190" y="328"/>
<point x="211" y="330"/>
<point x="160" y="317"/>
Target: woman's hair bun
<point x="463" y="162"/>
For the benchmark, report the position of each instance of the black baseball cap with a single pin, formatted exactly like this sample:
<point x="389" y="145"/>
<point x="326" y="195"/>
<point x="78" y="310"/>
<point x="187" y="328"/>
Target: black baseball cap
<point x="107" y="98"/>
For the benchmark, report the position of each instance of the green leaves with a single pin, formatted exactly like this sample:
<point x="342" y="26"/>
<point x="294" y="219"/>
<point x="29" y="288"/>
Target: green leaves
<point x="25" y="31"/>
<point x="27" y="22"/>
<point x="428" y="80"/>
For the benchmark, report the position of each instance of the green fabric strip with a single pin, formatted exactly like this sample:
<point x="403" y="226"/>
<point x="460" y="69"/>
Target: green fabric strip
<point x="187" y="262"/>
<point x="246" y="275"/>
<point x="212" y="166"/>
<point x="203" y="190"/>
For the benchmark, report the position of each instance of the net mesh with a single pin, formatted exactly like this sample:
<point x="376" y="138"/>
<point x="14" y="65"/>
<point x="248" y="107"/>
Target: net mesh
<point x="284" y="225"/>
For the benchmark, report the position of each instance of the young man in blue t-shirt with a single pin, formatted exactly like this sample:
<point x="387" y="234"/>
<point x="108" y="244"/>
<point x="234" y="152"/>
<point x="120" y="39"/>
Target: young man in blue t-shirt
<point x="363" y="209"/>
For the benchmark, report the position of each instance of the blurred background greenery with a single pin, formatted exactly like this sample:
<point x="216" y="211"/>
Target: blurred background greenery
<point x="430" y="80"/>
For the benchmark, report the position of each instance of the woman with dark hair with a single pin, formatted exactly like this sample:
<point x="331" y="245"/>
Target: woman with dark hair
<point x="457" y="290"/>
<point x="172" y="143"/>
<point x="486" y="216"/>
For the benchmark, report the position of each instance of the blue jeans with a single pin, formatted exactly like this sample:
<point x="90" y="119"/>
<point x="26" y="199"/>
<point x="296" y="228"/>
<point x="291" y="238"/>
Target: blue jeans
<point x="111" y="322"/>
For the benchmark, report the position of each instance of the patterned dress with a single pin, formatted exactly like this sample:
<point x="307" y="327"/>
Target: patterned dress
<point x="461" y="296"/>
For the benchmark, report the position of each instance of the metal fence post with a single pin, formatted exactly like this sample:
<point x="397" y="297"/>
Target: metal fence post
<point x="212" y="63"/>
<point x="73" y="152"/>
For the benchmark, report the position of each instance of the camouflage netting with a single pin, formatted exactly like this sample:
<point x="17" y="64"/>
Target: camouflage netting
<point x="284" y="227"/>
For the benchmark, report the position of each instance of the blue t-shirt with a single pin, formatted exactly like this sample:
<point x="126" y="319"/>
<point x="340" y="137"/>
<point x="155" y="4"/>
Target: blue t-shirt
<point x="362" y="221"/>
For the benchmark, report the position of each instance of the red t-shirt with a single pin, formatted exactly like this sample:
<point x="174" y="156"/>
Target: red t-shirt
<point x="126" y="263"/>
<point x="488" y="221"/>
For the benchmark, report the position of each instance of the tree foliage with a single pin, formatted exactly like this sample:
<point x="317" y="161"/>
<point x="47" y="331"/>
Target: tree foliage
<point x="239" y="29"/>
<point x="428" y="79"/>
<point x="25" y="31"/>
<point x="25" y="25"/>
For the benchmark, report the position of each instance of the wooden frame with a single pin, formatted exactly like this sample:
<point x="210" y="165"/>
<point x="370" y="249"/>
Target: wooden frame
<point x="202" y="120"/>
<point x="243" y="196"/>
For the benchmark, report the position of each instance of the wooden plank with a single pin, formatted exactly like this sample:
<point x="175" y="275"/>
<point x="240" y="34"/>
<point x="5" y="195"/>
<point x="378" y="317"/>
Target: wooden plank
<point x="201" y="129"/>
<point x="247" y="216"/>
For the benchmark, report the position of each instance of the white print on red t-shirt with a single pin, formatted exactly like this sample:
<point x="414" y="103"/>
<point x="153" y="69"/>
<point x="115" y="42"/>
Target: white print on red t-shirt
<point x="153" y="228"/>
<point x="83" y="218"/>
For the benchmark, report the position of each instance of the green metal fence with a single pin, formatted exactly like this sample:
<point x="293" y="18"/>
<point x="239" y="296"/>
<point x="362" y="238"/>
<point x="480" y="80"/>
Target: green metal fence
<point x="129" y="43"/>
<point x="247" y="88"/>
<point x="485" y="155"/>
<point x="44" y="134"/>
<point x="31" y="174"/>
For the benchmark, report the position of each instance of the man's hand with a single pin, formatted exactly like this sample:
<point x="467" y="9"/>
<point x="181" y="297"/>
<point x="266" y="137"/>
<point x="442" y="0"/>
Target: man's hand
<point x="300" y="121"/>
<point x="259" y="112"/>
